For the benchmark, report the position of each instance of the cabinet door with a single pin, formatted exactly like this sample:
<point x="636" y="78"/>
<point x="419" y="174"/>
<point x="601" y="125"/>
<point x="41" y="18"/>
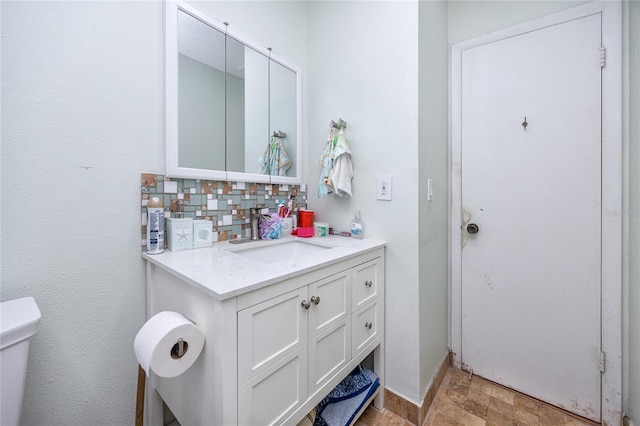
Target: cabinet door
<point x="269" y="330"/>
<point x="365" y="325"/>
<point x="328" y="353"/>
<point x="330" y="299"/>
<point x="366" y="283"/>
<point x="274" y="394"/>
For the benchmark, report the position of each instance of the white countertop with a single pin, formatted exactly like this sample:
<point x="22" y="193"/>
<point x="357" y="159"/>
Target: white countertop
<point x="220" y="272"/>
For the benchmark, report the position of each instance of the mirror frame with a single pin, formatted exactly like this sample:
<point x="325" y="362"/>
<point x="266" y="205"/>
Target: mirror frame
<point x="173" y="169"/>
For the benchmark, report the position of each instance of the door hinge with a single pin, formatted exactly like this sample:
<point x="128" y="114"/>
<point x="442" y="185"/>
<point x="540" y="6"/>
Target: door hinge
<point x="603" y="56"/>
<point x="602" y="361"/>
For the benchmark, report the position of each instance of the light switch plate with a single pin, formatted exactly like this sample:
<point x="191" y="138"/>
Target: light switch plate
<point x="384" y="188"/>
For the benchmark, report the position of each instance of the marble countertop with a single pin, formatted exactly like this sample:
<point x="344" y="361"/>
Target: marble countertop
<point x="223" y="272"/>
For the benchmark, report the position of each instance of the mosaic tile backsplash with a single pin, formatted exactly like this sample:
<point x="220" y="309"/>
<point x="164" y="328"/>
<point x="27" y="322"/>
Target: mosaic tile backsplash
<point x="226" y="204"/>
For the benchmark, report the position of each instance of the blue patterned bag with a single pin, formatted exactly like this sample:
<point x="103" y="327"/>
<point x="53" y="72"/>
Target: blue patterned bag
<point x="354" y="384"/>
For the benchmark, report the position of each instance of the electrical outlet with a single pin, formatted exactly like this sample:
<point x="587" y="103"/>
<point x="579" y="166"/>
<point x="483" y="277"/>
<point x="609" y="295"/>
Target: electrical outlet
<point x="384" y="188"/>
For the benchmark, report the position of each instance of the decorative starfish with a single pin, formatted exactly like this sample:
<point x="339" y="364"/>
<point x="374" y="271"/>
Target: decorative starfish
<point x="183" y="234"/>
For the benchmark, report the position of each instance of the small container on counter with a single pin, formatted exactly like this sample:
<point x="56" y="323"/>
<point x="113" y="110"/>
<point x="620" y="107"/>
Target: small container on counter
<point x="357" y="228"/>
<point x="179" y="234"/>
<point x="202" y="233"/>
<point x="321" y="229"/>
<point x="305" y="218"/>
<point x="287" y="225"/>
<point x="155" y="226"/>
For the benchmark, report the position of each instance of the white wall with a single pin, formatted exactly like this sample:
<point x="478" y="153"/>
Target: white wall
<point x="433" y="215"/>
<point x="81" y="118"/>
<point x="468" y="19"/>
<point x="363" y="62"/>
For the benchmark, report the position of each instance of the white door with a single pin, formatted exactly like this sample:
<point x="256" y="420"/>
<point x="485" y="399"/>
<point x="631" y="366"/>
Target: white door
<point x="531" y="275"/>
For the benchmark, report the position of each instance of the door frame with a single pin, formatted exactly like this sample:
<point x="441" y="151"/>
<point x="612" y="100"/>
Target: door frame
<point x="611" y="305"/>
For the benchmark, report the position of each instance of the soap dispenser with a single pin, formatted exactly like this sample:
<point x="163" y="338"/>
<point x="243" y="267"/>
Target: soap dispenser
<point x="357" y="228"/>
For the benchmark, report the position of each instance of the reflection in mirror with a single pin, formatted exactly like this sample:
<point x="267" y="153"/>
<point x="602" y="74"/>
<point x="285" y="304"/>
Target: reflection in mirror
<point x="201" y="94"/>
<point x="247" y="106"/>
<point x="283" y="112"/>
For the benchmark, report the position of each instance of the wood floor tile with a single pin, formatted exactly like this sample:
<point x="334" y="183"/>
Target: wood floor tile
<point x="479" y="396"/>
<point x="550" y="417"/>
<point x="481" y="385"/>
<point x="526" y="404"/>
<point x="524" y="417"/>
<point x="476" y="408"/>
<point x="465" y="401"/>
<point x="502" y="394"/>
<point x="469" y="419"/>
<point x="502" y="407"/>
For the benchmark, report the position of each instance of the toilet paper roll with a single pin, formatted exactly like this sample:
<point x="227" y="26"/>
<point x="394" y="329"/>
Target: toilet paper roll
<point x="155" y="344"/>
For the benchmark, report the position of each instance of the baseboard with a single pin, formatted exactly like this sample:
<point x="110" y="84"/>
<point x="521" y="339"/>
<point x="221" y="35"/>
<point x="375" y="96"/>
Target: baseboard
<point x="408" y="410"/>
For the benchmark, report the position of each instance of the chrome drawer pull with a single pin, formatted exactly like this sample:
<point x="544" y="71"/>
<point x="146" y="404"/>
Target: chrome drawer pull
<point x="368" y="325"/>
<point x="315" y="299"/>
<point x="368" y="283"/>
<point x="305" y="304"/>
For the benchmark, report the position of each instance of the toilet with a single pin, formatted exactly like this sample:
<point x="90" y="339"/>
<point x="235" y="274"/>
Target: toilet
<point x="19" y="320"/>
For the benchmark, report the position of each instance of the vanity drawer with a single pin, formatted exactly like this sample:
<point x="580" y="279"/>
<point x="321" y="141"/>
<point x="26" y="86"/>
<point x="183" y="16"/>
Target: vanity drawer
<point x="365" y="327"/>
<point x="366" y="283"/>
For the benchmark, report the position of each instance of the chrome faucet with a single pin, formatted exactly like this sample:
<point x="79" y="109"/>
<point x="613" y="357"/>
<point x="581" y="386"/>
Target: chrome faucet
<point x="255" y="217"/>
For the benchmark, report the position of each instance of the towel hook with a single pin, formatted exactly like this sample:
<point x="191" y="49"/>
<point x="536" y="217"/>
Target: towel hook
<point x="341" y="124"/>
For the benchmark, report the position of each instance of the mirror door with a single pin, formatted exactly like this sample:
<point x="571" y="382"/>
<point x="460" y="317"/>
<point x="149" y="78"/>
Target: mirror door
<point x="201" y="94"/>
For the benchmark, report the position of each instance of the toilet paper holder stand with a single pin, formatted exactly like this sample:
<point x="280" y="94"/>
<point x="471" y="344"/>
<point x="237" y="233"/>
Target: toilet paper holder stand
<point x="177" y="351"/>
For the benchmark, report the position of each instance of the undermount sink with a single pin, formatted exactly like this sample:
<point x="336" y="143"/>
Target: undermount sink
<point x="281" y="251"/>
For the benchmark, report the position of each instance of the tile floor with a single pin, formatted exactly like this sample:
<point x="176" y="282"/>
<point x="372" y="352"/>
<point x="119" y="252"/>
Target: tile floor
<point x="466" y="401"/>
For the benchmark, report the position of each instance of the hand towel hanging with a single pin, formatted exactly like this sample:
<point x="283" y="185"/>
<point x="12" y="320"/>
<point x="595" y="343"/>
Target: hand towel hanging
<point x="274" y="161"/>
<point x="337" y="167"/>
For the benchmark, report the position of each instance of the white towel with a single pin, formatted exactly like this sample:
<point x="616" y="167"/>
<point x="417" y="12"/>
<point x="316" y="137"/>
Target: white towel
<point x="341" y="175"/>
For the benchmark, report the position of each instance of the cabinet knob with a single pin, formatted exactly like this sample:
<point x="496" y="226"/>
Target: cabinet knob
<point x="368" y="283"/>
<point x="315" y="299"/>
<point x="368" y="325"/>
<point x="305" y="304"/>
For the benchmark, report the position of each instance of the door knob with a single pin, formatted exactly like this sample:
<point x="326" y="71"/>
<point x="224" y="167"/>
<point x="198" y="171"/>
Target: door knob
<point x="472" y="228"/>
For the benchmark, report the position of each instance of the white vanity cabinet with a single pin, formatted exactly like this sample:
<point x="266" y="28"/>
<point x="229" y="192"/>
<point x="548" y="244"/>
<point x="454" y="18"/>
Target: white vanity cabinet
<point x="299" y="339"/>
<point x="272" y="354"/>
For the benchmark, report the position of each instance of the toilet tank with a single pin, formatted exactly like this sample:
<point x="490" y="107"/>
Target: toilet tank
<point x="19" y="320"/>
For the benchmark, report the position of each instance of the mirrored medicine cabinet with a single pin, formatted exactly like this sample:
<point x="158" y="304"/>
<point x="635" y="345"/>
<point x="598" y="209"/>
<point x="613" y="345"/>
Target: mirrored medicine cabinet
<point x="232" y="106"/>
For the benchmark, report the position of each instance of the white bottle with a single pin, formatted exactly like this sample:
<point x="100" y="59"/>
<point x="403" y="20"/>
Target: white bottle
<point x="155" y="226"/>
<point x="357" y="228"/>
